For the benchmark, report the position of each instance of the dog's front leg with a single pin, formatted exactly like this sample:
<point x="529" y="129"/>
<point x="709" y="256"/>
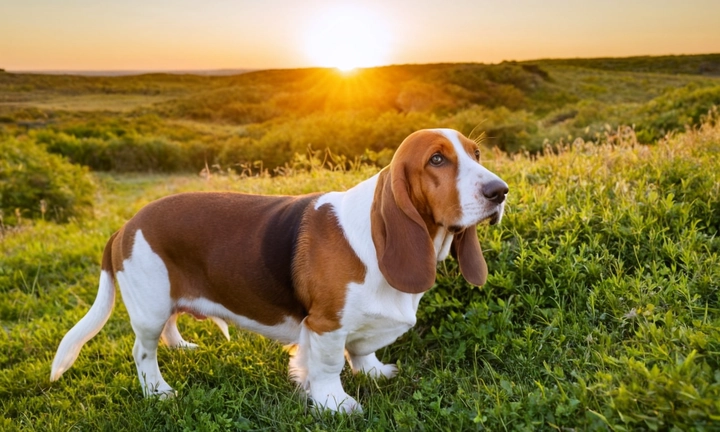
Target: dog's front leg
<point x="316" y="366"/>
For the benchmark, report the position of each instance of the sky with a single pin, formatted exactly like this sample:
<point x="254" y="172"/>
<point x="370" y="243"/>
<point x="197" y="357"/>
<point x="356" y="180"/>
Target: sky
<point x="258" y="34"/>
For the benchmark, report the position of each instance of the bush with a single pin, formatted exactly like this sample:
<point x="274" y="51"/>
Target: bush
<point x="36" y="184"/>
<point x="510" y="131"/>
<point x="345" y="134"/>
<point x="674" y="110"/>
<point x="123" y="153"/>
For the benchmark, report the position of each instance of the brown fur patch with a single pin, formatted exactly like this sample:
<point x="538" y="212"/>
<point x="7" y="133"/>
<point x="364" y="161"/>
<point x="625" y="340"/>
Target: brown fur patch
<point x="232" y="249"/>
<point x="325" y="264"/>
<point x="262" y="257"/>
<point x="405" y="252"/>
<point x="107" y="259"/>
<point x="470" y="146"/>
<point x="466" y="249"/>
<point x="433" y="189"/>
<point x="119" y="245"/>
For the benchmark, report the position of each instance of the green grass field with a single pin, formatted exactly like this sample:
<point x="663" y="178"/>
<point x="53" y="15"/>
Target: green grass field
<point x="600" y="312"/>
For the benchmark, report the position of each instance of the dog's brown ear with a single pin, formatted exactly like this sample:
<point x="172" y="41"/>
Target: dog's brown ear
<point x="466" y="249"/>
<point x="405" y="252"/>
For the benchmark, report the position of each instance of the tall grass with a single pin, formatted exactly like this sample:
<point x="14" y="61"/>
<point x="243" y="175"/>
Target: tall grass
<point x="600" y="311"/>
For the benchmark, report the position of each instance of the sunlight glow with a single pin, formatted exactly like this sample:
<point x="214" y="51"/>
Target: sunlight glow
<point x="348" y="37"/>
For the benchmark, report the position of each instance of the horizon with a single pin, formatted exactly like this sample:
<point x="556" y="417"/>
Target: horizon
<point x="239" y="71"/>
<point x="188" y="35"/>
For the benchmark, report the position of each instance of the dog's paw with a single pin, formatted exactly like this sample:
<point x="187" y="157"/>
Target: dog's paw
<point x="342" y="403"/>
<point x="185" y="345"/>
<point x="166" y="395"/>
<point x="329" y="395"/>
<point x="383" y="370"/>
<point x="371" y="366"/>
<point x="161" y="392"/>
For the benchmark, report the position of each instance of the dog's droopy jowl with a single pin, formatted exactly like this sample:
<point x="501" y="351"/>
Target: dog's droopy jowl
<point x="339" y="274"/>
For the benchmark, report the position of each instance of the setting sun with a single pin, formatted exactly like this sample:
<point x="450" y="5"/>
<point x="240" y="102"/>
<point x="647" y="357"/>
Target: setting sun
<point x="347" y="38"/>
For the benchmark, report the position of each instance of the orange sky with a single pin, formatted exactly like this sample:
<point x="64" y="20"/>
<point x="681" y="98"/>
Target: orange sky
<point x="214" y="34"/>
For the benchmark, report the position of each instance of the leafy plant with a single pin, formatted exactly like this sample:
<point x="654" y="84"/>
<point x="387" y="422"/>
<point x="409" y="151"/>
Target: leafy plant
<point x="35" y="184"/>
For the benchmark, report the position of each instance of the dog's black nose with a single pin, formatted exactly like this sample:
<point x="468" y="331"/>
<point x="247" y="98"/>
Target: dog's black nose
<point x="495" y="191"/>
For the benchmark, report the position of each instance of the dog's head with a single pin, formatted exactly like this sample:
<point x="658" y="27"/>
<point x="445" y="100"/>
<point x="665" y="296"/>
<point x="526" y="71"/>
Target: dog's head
<point x="434" y="184"/>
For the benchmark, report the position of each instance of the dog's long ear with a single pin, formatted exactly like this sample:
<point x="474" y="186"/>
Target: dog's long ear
<point x="466" y="249"/>
<point x="405" y="252"/>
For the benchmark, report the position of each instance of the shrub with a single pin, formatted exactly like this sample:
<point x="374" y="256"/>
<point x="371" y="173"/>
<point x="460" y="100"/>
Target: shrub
<point x="674" y="110"/>
<point x="510" y="131"/>
<point x="234" y="105"/>
<point x="492" y="86"/>
<point x="345" y="134"/>
<point x="127" y="153"/>
<point x="36" y="184"/>
<point x="418" y="96"/>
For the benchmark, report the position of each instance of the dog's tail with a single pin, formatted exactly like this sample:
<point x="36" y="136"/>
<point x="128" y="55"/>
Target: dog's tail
<point x="92" y="322"/>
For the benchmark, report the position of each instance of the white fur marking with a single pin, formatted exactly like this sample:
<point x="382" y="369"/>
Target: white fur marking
<point x="145" y="288"/>
<point x="471" y="177"/>
<point x="316" y="367"/>
<point x="86" y="328"/>
<point x="375" y="314"/>
<point x="287" y="332"/>
<point x="370" y="365"/>
<point x="442" y="242"/>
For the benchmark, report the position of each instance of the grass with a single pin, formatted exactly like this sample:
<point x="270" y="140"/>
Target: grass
<point x="102" y="102"/>
<point x="600" y="311"/>
<point x="615" y="87"/>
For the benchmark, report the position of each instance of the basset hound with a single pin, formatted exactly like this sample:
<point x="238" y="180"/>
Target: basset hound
<point x="339" y="274"/>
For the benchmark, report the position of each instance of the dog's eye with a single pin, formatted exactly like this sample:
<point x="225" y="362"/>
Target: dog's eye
<point x="477" y="154"/>
<point x="437" y="159"/>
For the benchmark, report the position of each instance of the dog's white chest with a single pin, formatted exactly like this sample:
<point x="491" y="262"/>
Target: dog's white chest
<point x="376" y="315"/>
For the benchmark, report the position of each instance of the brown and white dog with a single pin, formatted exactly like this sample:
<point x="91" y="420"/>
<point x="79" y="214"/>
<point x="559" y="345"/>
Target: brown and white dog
<point x="336" y="274"/>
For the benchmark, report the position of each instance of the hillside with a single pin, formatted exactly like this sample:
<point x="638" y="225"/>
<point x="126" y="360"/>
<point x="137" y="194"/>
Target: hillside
<point x="162" y="122"/>
<point x="706" y="64"/>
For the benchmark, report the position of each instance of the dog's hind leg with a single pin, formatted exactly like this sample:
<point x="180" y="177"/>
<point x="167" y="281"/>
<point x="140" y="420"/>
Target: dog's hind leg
<point x="145" y="288"/>
<point x="145" y="354"/>
<point x="171" y="335"/>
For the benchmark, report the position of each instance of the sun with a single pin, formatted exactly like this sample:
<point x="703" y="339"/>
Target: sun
<point x="347" y="37"/>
